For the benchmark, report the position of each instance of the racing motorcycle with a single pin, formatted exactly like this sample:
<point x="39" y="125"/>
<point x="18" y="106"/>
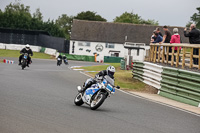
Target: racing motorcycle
<point x="59" y="61"/>
<point x="24" y="60"/>
<point x="65" y="61"/>
<point x="95" y="95"/>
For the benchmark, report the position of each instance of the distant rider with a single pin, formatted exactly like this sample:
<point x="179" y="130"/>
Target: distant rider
<point x="60" y="56"/>
<point x="28" y="51"/>
<point x="64" y="57"/>
<point x="110" y="71"/>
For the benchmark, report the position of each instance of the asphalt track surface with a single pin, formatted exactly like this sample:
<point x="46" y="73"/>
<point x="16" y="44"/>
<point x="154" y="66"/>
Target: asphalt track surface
<point x="39" y="99"/>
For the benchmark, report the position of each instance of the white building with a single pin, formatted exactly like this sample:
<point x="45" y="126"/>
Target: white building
<point x="110" y="39"/>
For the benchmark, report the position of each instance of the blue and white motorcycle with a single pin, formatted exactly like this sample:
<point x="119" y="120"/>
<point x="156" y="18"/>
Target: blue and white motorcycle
<point x="97" y="93"/>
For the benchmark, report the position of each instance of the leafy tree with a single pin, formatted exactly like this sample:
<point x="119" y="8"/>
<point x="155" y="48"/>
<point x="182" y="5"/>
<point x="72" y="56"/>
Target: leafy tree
<point x="196" y="18"/>
<point x="38" y="14"/>
<point x="18" y="16"/>
<point x="65" y="23"/>
<point x="134" y="19"/>
<point x="91" y="16"/>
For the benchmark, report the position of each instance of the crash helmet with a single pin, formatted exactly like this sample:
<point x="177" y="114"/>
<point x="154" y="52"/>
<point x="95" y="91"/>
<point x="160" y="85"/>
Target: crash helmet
<point x="111" y="71"/>
<point x="27" y="46"/>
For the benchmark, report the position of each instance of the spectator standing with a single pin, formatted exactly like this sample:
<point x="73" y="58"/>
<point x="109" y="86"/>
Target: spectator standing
<point x="175" y="38"/>
<point x="166" y="39"/>
<point x="194" y="38"/>
<point x="158" y="31"/>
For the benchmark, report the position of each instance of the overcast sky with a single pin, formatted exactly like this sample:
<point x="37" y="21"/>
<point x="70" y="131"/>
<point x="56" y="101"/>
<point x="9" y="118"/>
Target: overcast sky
<point x="166" y="12"/>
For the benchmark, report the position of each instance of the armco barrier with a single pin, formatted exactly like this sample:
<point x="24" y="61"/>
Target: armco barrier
<point x="181" y="85"/>
<point x="148" y="73"/>
<point x="50" y="51"/>
<point x="176" y="84"/>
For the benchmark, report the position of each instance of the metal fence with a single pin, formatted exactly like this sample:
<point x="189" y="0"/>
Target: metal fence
<point x="37" y="38"/>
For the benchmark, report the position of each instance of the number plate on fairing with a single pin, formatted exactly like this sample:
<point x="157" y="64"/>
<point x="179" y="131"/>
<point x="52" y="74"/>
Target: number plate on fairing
<point x="109" y="87"/>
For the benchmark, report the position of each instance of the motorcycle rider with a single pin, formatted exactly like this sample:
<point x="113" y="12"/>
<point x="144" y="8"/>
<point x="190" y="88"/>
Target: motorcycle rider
<point x="110" y="71"/>
<point x="27" y="50"/>
<point x="64" y="57"/>
<point x="60" y="56"/>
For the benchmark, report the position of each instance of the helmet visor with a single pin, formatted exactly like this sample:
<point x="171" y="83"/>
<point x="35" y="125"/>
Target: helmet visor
<point x="111" y="74"/>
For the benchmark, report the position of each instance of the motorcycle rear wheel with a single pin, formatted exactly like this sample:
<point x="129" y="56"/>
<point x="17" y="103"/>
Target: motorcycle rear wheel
<point x="96" y="103"/>
<point x="78" y="99"/>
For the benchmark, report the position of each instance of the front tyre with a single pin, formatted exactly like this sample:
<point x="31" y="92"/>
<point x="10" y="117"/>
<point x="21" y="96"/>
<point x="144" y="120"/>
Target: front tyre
<point x="97" y="102"/>
<point x="78" y="99"/>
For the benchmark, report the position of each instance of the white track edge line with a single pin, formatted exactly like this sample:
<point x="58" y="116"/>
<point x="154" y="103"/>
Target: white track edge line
<point x="152" y="100"/>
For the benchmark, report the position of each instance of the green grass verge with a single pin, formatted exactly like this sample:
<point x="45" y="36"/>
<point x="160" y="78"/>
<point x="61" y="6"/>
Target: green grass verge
<point x="123" y="78"/>
<point x="15" y="53"/>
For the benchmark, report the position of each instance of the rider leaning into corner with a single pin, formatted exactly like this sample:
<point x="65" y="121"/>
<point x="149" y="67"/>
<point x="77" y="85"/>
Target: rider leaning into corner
<point x="28" y="51"/>
<point x="110" y="71"/>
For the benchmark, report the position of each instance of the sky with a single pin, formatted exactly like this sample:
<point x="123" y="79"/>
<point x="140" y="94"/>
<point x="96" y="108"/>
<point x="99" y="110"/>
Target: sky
<point x="166" y="12"/>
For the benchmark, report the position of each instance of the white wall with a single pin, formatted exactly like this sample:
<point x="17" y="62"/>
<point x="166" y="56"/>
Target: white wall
<point x="118" y="47"/>
<point x="105" y="52"/>
<point x="49" y="51"/>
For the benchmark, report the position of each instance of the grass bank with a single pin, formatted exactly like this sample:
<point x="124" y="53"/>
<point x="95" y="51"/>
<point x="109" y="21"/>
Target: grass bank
<point x="123" y="78"/>
<point x="15" y="53"/>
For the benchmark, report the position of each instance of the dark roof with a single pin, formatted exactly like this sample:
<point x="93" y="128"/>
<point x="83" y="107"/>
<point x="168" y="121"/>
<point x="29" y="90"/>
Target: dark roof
<point x="95" y="31"/>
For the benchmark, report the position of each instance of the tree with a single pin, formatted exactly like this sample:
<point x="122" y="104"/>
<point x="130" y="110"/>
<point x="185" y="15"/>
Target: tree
<point x="38" y="14"/>
<point x="196" y="18"/>
<point x="134" y="19"/>
<point x="91" y="16"/>
<point x="18" y="16"/>
<point x="65" y="23"/>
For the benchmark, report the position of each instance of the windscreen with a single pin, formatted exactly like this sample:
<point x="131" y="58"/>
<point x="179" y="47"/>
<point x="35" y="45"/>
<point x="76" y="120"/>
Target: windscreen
<point x="110" y="80"/>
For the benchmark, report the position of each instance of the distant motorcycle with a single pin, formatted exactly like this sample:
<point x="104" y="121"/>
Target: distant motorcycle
<point x="65" y="61"/>
<point x="96" y="94"/>
<point x="24" y="61"/>
<point x="59" y="61"/>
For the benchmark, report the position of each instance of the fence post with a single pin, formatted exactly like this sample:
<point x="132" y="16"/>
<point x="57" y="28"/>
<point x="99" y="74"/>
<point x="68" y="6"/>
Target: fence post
<point x="159" y="48"/>
<point x="183" y="59"/>
<point x="172" y="57"/>
<point x="191" y="57"/>
<point x="163" y="54"/>
<point x="167" y="56"/>
<point x="177" y="57"/>
<point x="152" y="50"/>
<point x="155" y="53"/>
<point x="199" y="58"/>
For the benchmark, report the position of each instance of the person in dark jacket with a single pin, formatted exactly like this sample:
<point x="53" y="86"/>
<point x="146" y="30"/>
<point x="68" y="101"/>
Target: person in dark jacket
<point x="110" y="71"/>
<point x="158" y="38"/>
<point x="28" y="51"/>
<point x="158" y="31"/>
<point x="194" y="38"/>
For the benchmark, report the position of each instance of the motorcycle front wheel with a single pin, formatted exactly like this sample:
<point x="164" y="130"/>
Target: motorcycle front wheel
<point x="98" y="101"/>
<point x="23" y="65"/>
<point x="78" y="99"/>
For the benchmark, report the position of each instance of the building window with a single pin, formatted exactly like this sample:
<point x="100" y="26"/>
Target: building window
<point x="86" y="44"/>
<point x="115" y="54"/>
<point x="80" y="44"/>
<point x="110" y="45"/>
